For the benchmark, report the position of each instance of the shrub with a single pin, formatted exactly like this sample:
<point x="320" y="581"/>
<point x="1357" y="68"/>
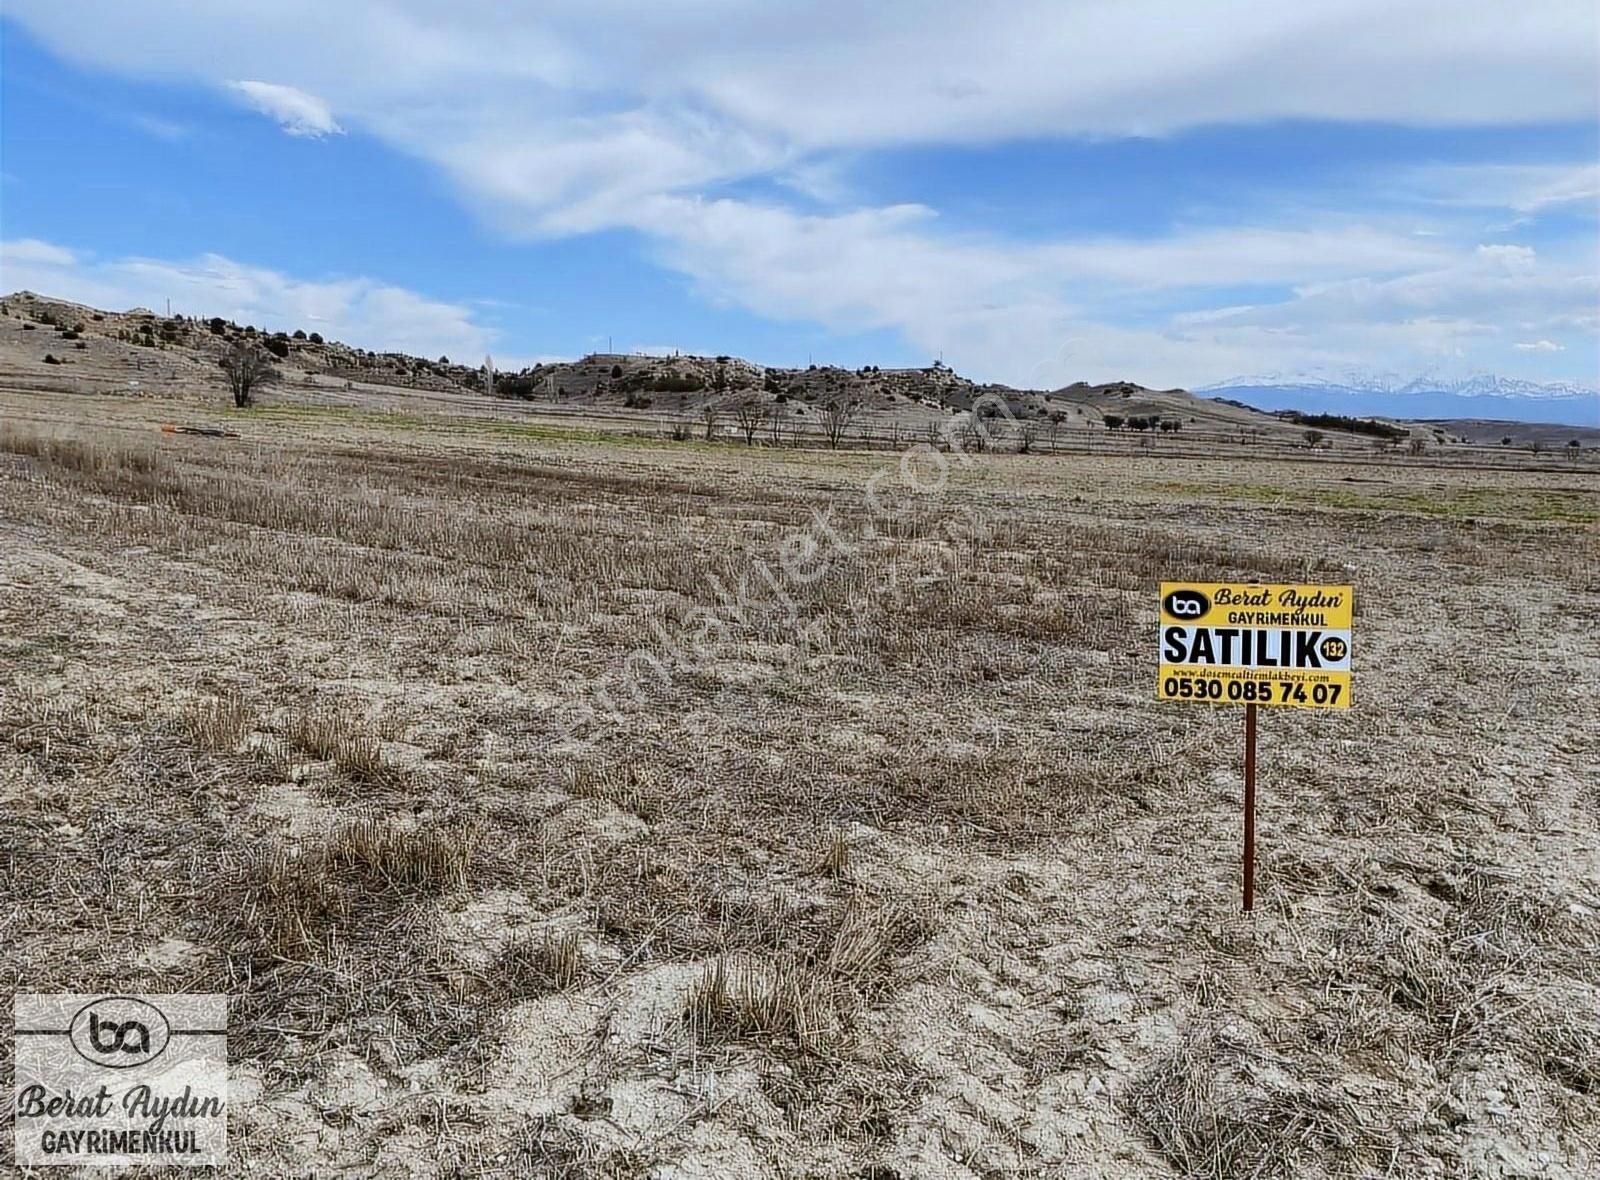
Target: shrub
<point x="28" y="327"/>
<point x="51" y="359"/>
<point x="316" y="338"/>
<point x="616" y="372"/>
<point x="299" y="333"/>
<point x="217" y="325"/>
<point x="674" y="383"/>
<point x="278" y="348"/>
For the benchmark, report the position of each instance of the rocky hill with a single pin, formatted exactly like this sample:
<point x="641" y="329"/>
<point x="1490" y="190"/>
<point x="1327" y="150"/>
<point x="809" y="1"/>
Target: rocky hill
<point x="60" y="343"/>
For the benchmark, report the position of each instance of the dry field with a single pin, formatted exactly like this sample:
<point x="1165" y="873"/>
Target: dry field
<point x="875" y="858"/>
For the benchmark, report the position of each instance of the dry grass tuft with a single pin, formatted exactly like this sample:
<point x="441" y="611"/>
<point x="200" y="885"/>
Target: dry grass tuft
<point x="633" y="786"/>
<point x="1567" y="1051"/>
<point x="320" y="732"/>
<point x="430" y="855"/>
<point x="1459" y="989"/>
<point x="532" y="966"/>
<point x="291" y="905"/>
<point x="330" y="734"/>
<point x="836" y="861"/>
<point x="806" y="1000"/>
<point x="1209" y="1107"/>
<point x="869" y="940"/>
<point x="762" y="1001"/>
<point x="95" y="458"/>
<point x="220" y="724"/>
<point x="548" y="1150"/>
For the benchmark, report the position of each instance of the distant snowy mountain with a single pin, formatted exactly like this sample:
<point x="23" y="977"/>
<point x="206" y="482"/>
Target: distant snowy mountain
<point x="1387" y="395"/>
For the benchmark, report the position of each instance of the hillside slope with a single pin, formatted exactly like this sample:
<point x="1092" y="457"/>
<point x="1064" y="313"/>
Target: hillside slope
<point x="55" y="343"/>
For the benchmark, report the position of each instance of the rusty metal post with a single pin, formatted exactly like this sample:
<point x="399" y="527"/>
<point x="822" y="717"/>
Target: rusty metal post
<point x="1249" y="808"/>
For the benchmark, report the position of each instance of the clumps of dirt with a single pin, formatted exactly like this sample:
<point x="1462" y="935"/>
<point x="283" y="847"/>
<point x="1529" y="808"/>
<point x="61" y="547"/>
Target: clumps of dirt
<point x="1212" y="1105"/>
<point x="1479" y="980"/>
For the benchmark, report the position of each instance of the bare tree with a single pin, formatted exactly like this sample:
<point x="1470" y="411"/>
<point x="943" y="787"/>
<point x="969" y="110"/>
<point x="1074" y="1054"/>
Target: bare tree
<point x="1027" y="435"/>
<point x="974" y="435"/>
<point x="709" y="414"/>
<point x="836" y="418"/>
<point x="749" y="414"/>
<point x="1418" y="446"/>
<point x="247" y="369"/>
<point x="1313" y="437"/>
<point x="778" y="424"/>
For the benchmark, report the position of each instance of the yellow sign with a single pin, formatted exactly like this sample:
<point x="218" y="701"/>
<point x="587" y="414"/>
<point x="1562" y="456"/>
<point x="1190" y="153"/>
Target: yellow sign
<point x="1236" y="643"/>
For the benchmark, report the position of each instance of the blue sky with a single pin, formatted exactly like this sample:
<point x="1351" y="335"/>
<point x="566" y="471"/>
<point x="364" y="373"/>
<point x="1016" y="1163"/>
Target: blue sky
<point x="1042" y="192"/>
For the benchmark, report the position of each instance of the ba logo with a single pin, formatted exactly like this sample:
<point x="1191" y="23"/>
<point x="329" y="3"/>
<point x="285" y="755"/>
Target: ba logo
<point x="119" y="1032"/>
<point x="1186" y="604"/>
<point x="1334" y="649"/>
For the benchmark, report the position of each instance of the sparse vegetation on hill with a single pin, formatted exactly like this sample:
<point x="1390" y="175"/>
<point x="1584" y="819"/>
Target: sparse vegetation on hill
<point x="882" y="406"/>
<point x="1326" y="422"/>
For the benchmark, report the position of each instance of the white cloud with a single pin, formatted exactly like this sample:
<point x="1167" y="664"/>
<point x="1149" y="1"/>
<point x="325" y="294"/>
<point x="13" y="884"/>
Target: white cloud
<point x="297" y="112"/>
<point x="557" y="112"/>
<point x="24" y="251"/>
<point x="1541" y="346"/>
<point x="581" y="115"/>
<point x="170" y="130"/>
<point x="1522" y="188"/>
<point x="359" y="311"/>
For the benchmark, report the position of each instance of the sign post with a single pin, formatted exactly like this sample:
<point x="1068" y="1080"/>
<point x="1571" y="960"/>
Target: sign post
<point x="1252" y="644"/>
<point x="1249" y="808"/>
